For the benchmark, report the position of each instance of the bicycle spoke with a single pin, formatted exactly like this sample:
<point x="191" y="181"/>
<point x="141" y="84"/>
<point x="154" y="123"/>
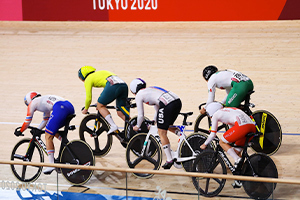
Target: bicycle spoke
<point x="24" y="171"/>
<point x="136" y="161"/>
<point x="207" y="185"/>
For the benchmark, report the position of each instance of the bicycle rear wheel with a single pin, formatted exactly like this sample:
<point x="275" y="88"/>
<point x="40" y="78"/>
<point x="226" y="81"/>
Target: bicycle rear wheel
<point x="270" y="141"/>
<point x="23" y="172"/>
<point x="152" y="157"/>
<point x="263" y="166"/>
<point x="101" y="143"/>
<point x="195" y="140"/>
<point x="77" y="152"/>
<point x="209" y="162"/>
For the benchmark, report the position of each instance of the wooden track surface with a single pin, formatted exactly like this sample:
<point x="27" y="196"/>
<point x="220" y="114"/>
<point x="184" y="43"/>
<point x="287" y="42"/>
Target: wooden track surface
<point x="45" y="56"/>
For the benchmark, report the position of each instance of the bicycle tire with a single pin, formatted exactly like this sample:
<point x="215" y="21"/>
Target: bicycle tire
<point x="203" y="122"/>
<point x="26" y="173"/>
<point x="270" y="141"/>
<point x="100" y="144"/>
<point x="195" y="140"/>
<point x="83" y="155"/>
<point x="150" y="160"/>
<point x="263" y="166"/>
<point x="209" y="162"/>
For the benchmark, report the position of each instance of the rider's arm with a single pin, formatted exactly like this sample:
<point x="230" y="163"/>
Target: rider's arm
<point x="88" y="91"/>
<point x="140" y="108"/>
<point x="211" y="86"/>
<point x="214" y="128"/>
<point x="28" y="119"/>
<point x="45" y="120"/>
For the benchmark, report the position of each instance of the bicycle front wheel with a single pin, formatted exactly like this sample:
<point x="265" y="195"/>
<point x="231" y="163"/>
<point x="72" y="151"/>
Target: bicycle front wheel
<point x="209" y="162"/>
<point x="263" y="166"/>
<point x="150" y="159"/>
<point x="23" y="172"/>
<point x="100" y="142"/>
<point x="194" y="141"/>
<point x="77" y="152"/>
<point x="270" y="141"/>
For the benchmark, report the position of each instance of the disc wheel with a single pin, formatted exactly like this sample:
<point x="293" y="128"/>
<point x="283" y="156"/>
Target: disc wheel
<point x="27" y="173"/>
<point x="151" y="159"/>
<point x="77" y="152"/>
<point x="270" y="141"/>
<point x="93" y="130"/>
<point x="263" y="166"/>
<point x="209" y="162"/>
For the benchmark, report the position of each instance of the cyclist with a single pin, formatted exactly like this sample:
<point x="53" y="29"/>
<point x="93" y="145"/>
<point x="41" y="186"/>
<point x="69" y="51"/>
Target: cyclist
<point x="60" y="109"/>
<point x="236" y="84"/>
<point x="114" y="89"/>
<point x="239" y="125"/>
<point x="167" y="106"/>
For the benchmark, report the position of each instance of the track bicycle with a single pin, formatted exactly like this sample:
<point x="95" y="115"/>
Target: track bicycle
<point x="256" y="165"/>
<point x="144" y="149"/>
<point x="93" y="130"/>
<point x="75" y="152"/>
<point x="266" y="123"/>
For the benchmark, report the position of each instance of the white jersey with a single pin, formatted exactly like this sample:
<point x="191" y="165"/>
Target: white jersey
<point x="152" y="96"/>
<point x="223" y="80"/>
<point x="43" y="104"/>
<point x="227" y="116"/>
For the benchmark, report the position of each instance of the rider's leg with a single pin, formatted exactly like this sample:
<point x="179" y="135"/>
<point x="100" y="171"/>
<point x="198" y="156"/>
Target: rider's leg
<point x="50" y="151"/>
<point x="106" y="114"/>
<point x="166" y="147"/>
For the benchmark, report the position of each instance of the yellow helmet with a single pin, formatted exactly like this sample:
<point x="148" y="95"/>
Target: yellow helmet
<point x="85" y="71"/>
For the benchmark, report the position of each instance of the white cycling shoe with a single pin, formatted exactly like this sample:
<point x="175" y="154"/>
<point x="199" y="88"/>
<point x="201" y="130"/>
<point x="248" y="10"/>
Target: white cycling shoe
<point x="112" y="130"/>
<point x="49" y="170"/>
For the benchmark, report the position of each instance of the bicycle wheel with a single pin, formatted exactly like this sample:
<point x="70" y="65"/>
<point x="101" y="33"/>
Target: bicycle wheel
<point x="270" y="141"/>
<point x="23" y="172"/>
<point x="209" y="162"/>
<point x="101" y="143"/>
<point x="77" y="152"/>
<point x="263" y="166"/>
<point x="194" y="140"/>
<point x="203" y="122"/>
<point x="152" y="157"/>
<point x="129" y="132"/>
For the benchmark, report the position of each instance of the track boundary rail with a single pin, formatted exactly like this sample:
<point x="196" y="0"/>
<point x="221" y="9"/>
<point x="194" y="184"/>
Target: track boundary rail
<point x="171" y="173"/>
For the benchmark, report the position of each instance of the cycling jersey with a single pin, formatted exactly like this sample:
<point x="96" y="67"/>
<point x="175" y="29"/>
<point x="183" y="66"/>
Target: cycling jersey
<point x="236" y="84"/>
<point x="240" y="124"/>
<point x="46" y="104"/>
<point x="167" y="105"/>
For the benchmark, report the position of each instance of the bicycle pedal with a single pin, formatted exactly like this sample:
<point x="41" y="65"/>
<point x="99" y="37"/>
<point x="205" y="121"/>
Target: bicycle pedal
<point x="236" y="184"/>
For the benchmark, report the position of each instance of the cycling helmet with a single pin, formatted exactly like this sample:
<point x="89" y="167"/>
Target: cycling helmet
<point x="213" y="107"/>
<point x="208" y="71"/>
<point x="30" y="96"/>
<point x="83" y="72"/>
<point x="136" y="85"/>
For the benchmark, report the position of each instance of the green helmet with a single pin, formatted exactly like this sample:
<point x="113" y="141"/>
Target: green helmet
<point x="83" y="72"/>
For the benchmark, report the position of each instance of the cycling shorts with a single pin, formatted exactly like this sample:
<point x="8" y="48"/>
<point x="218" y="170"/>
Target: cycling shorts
<point x="167" y="114"/>
<point x="238" y="93"/>
<point x="61" y="110"/>
<point x="118" y="92"/>
<point x="236" y="134"/>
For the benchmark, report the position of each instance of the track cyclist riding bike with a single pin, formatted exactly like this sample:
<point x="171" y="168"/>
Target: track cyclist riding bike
<point x="236" y="84"/>
<point x="114" y="89"/>
<point x="239" y="125"/>
<point x="60" y="108"/>
<point x="167" y="106"/>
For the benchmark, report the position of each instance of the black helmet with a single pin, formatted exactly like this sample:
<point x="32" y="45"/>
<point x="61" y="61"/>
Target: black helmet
<point x="208" y="71"/>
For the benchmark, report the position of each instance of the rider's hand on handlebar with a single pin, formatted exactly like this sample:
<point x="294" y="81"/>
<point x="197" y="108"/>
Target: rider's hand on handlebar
<point x="84" y="111"/>
<point x="18" y="133"/>
<point x="203" y="146"/>
<point x="136" y="128"/>
<point x="202" y="111"/>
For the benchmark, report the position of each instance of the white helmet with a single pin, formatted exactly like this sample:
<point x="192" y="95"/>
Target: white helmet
<point x="136" y="85"/>
<point x="213" y="107"/>
<point x="30" y="96"/>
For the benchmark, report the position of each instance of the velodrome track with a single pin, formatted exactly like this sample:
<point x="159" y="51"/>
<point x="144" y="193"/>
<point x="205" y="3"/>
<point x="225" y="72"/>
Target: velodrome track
<point x="45" y="56"/>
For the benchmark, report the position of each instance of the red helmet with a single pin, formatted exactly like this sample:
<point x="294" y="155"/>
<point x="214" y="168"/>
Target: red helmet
<point x="30" y="96"/>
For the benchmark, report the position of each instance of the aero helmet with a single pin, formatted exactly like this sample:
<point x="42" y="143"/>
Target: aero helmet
<point x="208" y="71"/>
<point x="83" y="72"/>
<point x="136" y="85"/>
<point x="213" y="107"/>
<point x="30" y="96"/>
